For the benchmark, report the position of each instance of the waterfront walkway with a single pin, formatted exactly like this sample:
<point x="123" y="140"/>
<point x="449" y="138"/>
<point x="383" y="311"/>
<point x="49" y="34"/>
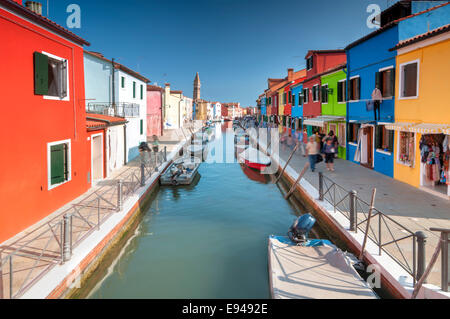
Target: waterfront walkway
<point x="28" y="256"/>
<point x="411" y="207"/>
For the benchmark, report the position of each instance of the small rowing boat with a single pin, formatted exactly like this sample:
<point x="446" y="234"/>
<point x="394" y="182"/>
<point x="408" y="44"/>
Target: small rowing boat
<point x="254" y="158"/>
<point x="181" y="172"/>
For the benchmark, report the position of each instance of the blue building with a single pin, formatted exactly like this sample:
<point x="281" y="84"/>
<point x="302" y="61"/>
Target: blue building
<point x="297" y="105"/>
<point x="263" y="102"/>
<point x="371" y="64"/>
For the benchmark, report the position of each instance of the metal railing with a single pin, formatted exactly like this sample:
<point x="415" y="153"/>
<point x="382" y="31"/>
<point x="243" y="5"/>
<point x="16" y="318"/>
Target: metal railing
<point x="122" y="109"/>
<point x="389" y="235"/>
<point x="27" y="259"/>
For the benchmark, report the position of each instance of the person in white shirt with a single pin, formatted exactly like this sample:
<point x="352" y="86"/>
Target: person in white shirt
<point x="377" y="97"/>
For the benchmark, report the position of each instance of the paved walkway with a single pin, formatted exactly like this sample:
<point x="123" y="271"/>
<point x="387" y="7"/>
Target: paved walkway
<point x="411" y="207"/>
<point x="31" y="253"/>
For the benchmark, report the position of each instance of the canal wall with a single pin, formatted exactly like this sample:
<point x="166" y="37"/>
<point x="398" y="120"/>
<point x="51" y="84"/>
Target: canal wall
<point x="67" y="280"/>
<point x="395" y="281"/>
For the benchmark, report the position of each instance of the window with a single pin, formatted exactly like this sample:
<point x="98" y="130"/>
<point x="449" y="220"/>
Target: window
<point x="341" y="89"/>
<point x="290" y="97"/>
<point x="385" y="81"/>
<point x="352" y="132"/>
<point x="134" y="90"/>
<point x="341" y="134"/>
<point x="142" y="92"/>
<point x="325" y="93"/>
<point x="293" y="99"/>
<point x="305" y="95"/>
<point x="58" y="163"/>
<point x="405" y="153"/>
<point x="315" y="93"/>
<point x="142" y="127"/>
<point x="284" y="98"/>
<point x="309" y="63"/>
<point x="50" y="76"/>
<point x="384" y="139"/>
<point x="122" y="81"/>
<point x="354" y="89"/>
<point x="409" y="79"/>
<point x="270" y="100"/>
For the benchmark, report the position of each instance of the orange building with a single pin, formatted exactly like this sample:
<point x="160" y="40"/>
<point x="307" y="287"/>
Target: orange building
<point x="45" y="154"/>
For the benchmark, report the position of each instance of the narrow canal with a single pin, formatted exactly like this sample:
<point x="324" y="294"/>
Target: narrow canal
<point x="205" y="240"/>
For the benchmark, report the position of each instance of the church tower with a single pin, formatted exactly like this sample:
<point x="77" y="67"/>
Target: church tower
<point x="197" y="86"/>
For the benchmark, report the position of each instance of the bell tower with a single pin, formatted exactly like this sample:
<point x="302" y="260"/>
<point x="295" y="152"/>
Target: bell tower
<point x="197" y="86"/>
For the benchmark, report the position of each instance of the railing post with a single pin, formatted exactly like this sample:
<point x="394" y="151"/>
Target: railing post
<point x="67" y="249"/>
<point x="142" y="174"/>
<point x="320" y="186"/>
<point x="353" y="213"/>
<point x="119" y="195"/>
<point x="444" y="262"/>
<point x="11" y="294"/>
<point x="421" y="239"/>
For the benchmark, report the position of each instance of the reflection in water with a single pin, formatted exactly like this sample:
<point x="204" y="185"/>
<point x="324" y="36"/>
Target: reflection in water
<point x="204" y="240"/>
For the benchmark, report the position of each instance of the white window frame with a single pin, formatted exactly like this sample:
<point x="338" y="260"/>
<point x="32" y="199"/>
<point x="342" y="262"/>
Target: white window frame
<point x="49" y="163"/>
<point x="55" y="98"/>
<point x="325" y="84"/>
<point x="318" y="96"/>
<point x="345" y="92"/>
<point x="397" y="150"/>
<point x="400" y="86"/>
<point x="351" y="78"/>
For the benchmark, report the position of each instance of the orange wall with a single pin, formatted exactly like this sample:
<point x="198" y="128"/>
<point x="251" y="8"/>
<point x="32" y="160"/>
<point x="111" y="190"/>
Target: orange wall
<point x="29" y="122"/>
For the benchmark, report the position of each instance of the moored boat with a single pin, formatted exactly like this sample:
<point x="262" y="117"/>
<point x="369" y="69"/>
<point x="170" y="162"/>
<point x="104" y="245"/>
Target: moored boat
<point x="181" y="172"/>
<point x="254" y="158"/>
<point x="302" y="268"/>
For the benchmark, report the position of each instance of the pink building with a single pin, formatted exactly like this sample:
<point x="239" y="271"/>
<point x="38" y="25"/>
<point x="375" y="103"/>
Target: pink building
<point x="154" y="110"/>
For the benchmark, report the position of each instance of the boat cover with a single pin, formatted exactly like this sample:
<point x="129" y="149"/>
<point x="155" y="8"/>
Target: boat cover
<point x="318" y="270"/>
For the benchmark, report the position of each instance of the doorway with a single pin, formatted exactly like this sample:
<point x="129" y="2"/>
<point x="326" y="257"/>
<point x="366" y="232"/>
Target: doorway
<point x="367" y="146"/>
<point x="97" y="156"/>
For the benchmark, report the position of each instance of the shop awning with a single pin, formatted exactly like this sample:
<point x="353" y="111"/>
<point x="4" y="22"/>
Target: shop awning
<point x="399" y="126"/>
<point x="425" y="128"/>
<point x="321" y="120"/>
<point x="446" y="131"/>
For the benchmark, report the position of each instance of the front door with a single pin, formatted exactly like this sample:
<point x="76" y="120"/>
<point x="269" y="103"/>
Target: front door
<point x="368" y="136"/>
<point x="97" y="157"/>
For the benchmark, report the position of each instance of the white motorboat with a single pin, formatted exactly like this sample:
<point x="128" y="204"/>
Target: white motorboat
<point x="181" y="172"/>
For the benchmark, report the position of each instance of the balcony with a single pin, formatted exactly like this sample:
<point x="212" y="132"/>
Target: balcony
<point x="122" y="109"/>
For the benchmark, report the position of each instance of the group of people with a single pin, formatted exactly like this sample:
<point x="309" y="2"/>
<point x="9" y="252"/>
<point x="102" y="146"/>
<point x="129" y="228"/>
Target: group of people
<point x="317" y="147"/>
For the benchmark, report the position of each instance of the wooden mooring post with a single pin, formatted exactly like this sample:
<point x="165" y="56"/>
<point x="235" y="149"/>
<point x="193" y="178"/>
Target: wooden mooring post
<point x="372" y="203"/>
<point x="287" y="163"/>
<point x="300" y="176"/>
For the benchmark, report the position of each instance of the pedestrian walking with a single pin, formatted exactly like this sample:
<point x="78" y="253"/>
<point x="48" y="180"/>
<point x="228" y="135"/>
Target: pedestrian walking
<point x="329" y="150"/>
<point x="334" y="140"/>
<point x="312" y="152"/>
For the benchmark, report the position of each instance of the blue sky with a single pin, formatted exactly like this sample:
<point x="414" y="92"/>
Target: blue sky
<point x="235" y="45"/>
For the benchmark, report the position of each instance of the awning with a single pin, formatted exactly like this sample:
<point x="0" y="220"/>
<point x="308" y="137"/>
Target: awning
<point x="426" y="128"/>
<point x="446" y="131"/>
<point x="399" y="126"/>
<point x="321" y="120"/>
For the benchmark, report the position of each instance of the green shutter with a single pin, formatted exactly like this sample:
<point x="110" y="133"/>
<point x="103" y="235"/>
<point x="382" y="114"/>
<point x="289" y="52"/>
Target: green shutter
<point x="57" y="165"/>
<point x="142" y="92"/>
<point x="142" y="127"/>
<point x="134" y="90"/>
<point x="123" y="82"/>
<point x="40" y="74"/>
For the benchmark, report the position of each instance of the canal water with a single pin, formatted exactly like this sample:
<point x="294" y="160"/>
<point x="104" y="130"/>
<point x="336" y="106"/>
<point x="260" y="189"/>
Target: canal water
<point x="205" y="240"/>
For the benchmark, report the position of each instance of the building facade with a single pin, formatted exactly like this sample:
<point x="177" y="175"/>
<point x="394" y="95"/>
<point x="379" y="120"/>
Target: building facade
<point x="154" y="110"/>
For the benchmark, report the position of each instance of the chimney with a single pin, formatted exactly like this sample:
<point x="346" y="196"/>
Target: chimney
<point x="290" y="74"/>
<point x="34" y="6"/>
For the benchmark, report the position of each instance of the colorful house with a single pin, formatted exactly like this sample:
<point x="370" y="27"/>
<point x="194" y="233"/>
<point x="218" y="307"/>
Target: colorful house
<point x="317" y="62"/>
<point x="371" y="64"/>
<point x="115" y="90"/>
<point x="154" y="110"/>
<point x="46" y="157"/>
<point x="422" y="116"/>
<point x="334" y="106"/>
<point x="295" y="101"/>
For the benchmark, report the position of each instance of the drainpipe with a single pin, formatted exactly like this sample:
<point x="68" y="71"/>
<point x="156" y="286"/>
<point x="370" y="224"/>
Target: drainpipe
<point x="162" y="119"/>
<point x="113" y="90"/>
<point x="125" y="144"/>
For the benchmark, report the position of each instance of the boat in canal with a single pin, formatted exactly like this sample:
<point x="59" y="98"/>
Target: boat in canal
<point x="302" y="268"/>
<point x="181" y="172"/>
<point x="254" y="158"/>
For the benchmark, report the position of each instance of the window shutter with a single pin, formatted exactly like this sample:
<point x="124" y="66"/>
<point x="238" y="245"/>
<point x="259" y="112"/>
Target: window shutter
<point x="40" y="74"/>
<point x="391" y="140"/>
<point x="339" y="93"/>
<point x="142" y="127"/>
<point x="134" y="89"/>
<point x="57" y="166"/>
<point x="392" y="83"/>
<point x="324" y="94"/>
<point x="378" y="136"/>
<point x="378" y="80"/>
<point x="358" y="88"/>
<point x="349" y="90"/>
<point x="63" y="92"/>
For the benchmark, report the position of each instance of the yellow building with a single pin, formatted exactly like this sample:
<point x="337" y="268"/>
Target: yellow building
<point x="281" y="103"/>
<point x="422" y="112"/>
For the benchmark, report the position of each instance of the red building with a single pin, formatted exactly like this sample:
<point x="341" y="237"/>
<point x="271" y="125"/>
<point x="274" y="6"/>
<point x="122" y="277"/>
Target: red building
<point x="45" y="158"/>
<point x="154" y="110"/>
<point x="318" y="61"/>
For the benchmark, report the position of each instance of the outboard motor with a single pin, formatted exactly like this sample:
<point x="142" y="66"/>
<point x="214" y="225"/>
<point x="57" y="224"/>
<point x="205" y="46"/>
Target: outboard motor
<point x="298" y="232"/>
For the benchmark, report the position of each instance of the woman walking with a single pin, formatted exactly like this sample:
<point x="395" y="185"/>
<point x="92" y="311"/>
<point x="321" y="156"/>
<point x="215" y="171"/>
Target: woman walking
<point x="329" y="150"/>
<point x="312" y="151"/>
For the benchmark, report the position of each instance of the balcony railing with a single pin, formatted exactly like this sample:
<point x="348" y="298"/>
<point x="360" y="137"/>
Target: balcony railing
<point x="121" y="109"/>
